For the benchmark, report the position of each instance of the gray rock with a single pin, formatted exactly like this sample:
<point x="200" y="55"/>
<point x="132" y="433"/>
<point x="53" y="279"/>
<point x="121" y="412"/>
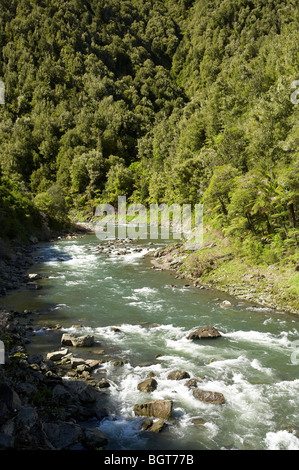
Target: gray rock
<point x="206" y="396"/>
<point x="57" y="355"/>
<point x="178" y="375"/>
<point x="157" y="426"/>
<point x="93" y="438"/>
<point x="205" y="332"/>
<point x="34" y="277"/>
<point x="63" y="435"/>
<point x="77" y="341"/>
<point x="148" y="385"/>
<point x="155" y="408"/>
<point x="103" y="383"/>
<point x="225" y="303"/>
<point x="60" y="394"/>
<point x="192" y="383"/>
<point x="118" y="363"/>
<point x="198" y="421"/>
<point x="9" y="397"/>
<point x="77" y="361"/>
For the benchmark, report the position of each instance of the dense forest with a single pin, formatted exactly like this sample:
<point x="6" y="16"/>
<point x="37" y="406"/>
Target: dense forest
<point x="162" y="101"/>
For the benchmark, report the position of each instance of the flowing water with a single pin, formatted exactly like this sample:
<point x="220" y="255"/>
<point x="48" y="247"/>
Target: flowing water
<point x="252" y="363"/>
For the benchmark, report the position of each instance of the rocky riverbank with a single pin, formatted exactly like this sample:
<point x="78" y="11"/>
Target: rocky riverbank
<point x="16" y="258"/>
<point x="56" y="401"/>
<point x="46" y="403"/>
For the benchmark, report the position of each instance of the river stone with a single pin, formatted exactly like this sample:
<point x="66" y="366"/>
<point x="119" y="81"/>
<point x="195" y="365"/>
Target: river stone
<point x="63" y="435"/>
<point x="92" y="363"/>
<point x="225" y="303"/>
<point x="57" y="355"/>
<point x="156" y="408"/>
<point x="103" y="383"/>
<point x="214" y="398"/>
<point x="77" y="361"/>
<point x="198" y="421"/>
<point x="118" y="363"/>
<point x="60" y="394"/>
<point x="147" y="424"/>
<point x="178" y="375"/>
<point x="157" y="426"/>
<point x="192" y="383"/>
<point x="204" y="333"/>
<point x="148" y="385"/>
<point x="77" y="341"/>
<point x="9" y="397"/>
<point x="94" y="438"/>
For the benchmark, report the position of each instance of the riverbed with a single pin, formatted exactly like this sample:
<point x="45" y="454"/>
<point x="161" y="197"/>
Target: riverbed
<point x="253" y="364"/>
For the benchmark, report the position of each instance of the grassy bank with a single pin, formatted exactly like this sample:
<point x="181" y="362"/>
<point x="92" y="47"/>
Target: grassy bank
<point x="220" y="264"/>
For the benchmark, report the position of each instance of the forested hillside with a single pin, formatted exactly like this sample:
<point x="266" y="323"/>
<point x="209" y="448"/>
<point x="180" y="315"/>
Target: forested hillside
<point x="162" y="101"/>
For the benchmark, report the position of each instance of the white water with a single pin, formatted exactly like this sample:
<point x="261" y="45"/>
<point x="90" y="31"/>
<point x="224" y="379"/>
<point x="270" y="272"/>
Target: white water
<point x="251" y="364"/>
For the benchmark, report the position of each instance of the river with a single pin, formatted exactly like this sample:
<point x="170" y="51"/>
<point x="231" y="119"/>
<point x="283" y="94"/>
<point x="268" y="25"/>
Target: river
<point x="254" y="363"/>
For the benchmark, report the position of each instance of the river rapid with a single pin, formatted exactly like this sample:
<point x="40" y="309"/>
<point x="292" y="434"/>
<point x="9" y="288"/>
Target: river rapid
<point x="254" y="364"/>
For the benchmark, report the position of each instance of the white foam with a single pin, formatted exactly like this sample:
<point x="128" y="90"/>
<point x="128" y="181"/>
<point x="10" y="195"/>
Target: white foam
<point x="263" y="339"/>
<point x="146" y="291"/>
<point x="281" y="440"/>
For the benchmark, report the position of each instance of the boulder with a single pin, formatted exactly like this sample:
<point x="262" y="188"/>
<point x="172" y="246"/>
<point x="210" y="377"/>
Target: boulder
<point x="206" y="396"/>
<point x="155" y="408"/>
<point x="93" y="438"/>
<point x="77" y="361"/>
<point x="34" y="276"/>
<point x="77" y="341"/>
<point x="103" y="383"/>
<point x="29" y="431"/>
<point x="63" y="435"/>
<point x="60" y="394"/>
<point x="205" y="332"/>
<point x="192" y="383"/>
<point x="147" y="424"/>
<point x="115" y="329"/>
<point x="148" y="385"/>
<point x="178" y="375"/>
<point x="9" y="397"/>
<point x="57" y="355"/>
<point x="118" y="363"/>
<point x="198" y="421"/>
<point x="157" y="426"/>
<point x="92" y="363"/>
<point x="225" y="303"/>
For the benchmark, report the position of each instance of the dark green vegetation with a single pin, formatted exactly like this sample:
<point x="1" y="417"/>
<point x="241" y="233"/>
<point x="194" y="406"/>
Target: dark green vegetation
<point x="162" y="101"/>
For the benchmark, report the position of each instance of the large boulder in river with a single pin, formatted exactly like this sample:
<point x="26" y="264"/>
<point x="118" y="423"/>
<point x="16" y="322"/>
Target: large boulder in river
<point x="155" y="408"/>
<point x="148" y="385"/>
<point x="205" y="332"/>
<point x="77" y="341"/>
<point x="178" y="375"/>
<point x="215" y="398"/>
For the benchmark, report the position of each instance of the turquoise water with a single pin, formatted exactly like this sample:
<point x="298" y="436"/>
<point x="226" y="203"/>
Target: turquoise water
<point x="252" y="364"/>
